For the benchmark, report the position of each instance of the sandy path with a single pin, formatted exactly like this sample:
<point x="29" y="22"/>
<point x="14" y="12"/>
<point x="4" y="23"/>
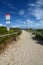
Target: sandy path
<point x="24" y="52"/>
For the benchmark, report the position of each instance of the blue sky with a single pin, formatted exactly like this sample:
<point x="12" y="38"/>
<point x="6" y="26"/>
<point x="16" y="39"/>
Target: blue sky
<point x="24" y="13"/>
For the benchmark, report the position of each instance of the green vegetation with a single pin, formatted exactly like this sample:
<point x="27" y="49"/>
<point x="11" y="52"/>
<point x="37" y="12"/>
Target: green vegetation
<point x="30" y="30"/>
<point x="15" y="32"/>
<point x="37" y="32"/>
<point x="3" y="30"/>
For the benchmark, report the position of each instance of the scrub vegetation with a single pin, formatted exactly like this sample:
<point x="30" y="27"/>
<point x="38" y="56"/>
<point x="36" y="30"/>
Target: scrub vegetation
<point x="14" y="32"/>
<point x="36" y="32"/>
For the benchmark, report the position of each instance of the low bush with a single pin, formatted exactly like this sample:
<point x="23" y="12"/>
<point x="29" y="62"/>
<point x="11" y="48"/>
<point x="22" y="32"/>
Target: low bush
<point x="12" y="31"/>
<point x="38" y="32"/>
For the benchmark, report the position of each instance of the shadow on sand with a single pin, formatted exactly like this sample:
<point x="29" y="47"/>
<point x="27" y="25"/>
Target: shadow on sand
<point x="39" y="40"/>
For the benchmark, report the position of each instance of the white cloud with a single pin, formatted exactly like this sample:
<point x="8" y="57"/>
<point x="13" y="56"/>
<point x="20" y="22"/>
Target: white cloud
<point x="31" y="4"/>
<point x="38" y="24"/>
<point x="30" y="23"/>
<point x="16" y="25"/>
<point x="37" y="11"/>
<point x="21" y="12"/>
<point x="39" y="3"/>
<point x="1" y="24"/>
<point x="24" y="23"/>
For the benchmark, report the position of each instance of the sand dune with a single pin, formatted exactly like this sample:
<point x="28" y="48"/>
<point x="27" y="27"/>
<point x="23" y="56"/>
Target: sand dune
<point x="23" y="52"/>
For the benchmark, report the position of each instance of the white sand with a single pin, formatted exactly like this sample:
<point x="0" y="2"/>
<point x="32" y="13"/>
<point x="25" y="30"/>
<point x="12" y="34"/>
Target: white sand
<point x="24" y="52"/>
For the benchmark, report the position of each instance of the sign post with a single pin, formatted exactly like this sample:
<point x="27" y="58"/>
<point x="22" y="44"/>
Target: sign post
<point x="8" y="21"/>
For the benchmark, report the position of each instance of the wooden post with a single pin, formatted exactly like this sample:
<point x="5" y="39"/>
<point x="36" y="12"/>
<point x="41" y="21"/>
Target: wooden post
<point x="15" y="37"/>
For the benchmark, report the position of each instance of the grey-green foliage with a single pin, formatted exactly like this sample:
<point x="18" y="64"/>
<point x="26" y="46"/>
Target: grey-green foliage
<point x="3" y="30"/>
